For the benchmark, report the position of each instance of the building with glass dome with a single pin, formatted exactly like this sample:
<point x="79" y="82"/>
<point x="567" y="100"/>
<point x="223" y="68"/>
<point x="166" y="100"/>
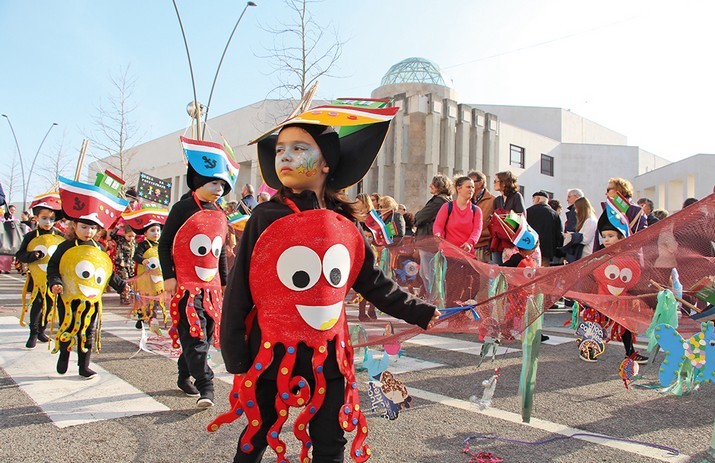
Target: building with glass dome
<point x="548" y="149"/>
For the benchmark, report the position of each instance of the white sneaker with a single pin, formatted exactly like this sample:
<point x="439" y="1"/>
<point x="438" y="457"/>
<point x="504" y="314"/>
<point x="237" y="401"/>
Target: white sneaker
<point x="204" y="402"/>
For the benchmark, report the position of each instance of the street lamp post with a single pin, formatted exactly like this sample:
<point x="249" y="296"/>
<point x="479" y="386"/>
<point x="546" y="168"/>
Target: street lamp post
<point x="26" y="181"/>
<point x="218" y="68"/>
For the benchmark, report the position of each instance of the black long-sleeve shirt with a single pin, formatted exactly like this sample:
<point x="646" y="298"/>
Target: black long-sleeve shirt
<point x="141" y="248"/>
<point x="53" y="266"/>
<point x="238" y="352"/>
<point x="179" y="214"/>
<point x="23" y="255"/>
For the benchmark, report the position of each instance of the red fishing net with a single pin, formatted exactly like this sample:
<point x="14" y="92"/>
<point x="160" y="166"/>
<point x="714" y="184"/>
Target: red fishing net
<point x="621" y="281"/>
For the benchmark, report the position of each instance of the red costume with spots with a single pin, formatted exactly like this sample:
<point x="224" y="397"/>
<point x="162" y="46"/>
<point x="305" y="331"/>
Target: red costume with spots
<point x="196" y="254"/>
<point x="312" y="279"/>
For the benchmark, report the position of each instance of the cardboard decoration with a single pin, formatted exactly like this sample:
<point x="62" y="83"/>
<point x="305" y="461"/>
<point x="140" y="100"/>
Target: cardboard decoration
<point x="154" y="189"/>
<point x="85" y="271"/>
<point x="82" y="201"/>
<point x="145" y="217"/>
<point x="312" y="304"/>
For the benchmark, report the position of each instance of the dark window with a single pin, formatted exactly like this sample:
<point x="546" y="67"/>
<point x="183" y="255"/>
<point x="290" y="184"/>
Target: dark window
<point x="517" y="156"/>
<point x="550" y="194"/>
<point x="547" y="165"/>
<point x="521" y="189"/>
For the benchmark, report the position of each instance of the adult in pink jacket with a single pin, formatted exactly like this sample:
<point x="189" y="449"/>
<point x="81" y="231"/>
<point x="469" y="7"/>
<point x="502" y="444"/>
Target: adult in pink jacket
<point x="459" y="222"/>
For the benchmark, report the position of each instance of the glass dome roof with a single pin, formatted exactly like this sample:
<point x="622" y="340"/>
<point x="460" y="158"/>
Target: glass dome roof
<point x="413" y="70"/>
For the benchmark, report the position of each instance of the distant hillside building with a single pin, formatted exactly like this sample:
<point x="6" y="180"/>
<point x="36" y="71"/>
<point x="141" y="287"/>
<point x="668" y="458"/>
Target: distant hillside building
<point x="548" y="149"/>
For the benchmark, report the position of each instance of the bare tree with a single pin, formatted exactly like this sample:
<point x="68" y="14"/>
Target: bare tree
<point x="114" y="133"/>
<point x="11" y="179"/>
<point x="302" y="51"/>
<point x="57" y="162"/>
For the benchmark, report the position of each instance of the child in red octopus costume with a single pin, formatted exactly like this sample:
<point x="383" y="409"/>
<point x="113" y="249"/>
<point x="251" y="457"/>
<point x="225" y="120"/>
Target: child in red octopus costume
<point x="193" y="264"/>
<point x="299" y="256"/>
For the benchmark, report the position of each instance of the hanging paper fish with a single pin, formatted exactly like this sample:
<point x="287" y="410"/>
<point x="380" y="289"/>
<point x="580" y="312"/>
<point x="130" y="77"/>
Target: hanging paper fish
<point x="409" y="271"/>
<point x="388" y="396"/>
<point x="687" y="362"/>
<point x="628" y="369"/>
<point x="489" y="386"/>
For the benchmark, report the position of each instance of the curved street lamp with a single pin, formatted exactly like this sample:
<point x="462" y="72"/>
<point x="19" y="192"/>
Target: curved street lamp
<point x="26" y="182"/>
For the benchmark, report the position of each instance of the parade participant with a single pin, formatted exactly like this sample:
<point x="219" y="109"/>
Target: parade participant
<point x="618" y="273"/>
<point x="149" y="283"/>
<point x="125" y="238"/>
<point x="284" y="331"/>
<point x="80" y="270"/>
<point x="36" y="249"/>
<point x="191" y="254"/>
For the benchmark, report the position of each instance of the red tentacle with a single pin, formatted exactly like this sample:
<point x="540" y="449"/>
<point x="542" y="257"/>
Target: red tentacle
<point x="300" y="428"/>
<point x="284" y="398"/>
<point x="247" y="395"/>
<point x="350" y="416"/>
<point x="174" y="330"/>
<point x="234" y="401"/>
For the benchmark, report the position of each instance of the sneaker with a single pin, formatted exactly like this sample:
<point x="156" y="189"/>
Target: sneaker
<point x="187" y="386"/>
<point x="138" y="325"/>
<point x="31" y="341"/>
<point x="63" y="362"/>
<point x="544" y="338"/>
<point x="86" y="373"/>
<point x="640" y="359"/>
<point x="42" y="337"/>
<point x="206" y="400"/>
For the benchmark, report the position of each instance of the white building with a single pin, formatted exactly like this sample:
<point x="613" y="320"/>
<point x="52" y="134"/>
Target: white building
<point x="549" y="149"/>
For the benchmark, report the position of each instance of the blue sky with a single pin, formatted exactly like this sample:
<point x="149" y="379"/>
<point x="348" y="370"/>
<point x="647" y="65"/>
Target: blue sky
<point x="643" y="68"/>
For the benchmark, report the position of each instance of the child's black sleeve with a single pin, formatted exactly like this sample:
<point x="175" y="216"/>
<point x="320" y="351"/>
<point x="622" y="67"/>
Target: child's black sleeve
<point x="53" y="266"/>
<point x="139" y="252"/>
<point x="23" y="255"/>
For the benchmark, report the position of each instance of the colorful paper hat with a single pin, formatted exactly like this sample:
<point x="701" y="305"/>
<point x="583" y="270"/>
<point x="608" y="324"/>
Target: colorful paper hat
<point x="148" y="216"/>
<point x="518" y="230"/>
<point x="50" y="200"/>
<point x="210" y="160"/>
<point x="90" y="203"/>
<point x="614" y="216"/>
<point x="352" y="151"/>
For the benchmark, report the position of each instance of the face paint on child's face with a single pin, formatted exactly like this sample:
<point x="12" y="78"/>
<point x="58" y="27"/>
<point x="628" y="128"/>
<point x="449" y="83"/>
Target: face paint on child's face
<point x="211" y="191"/>
<point x="46" y="219"/>
<point x="153" y="233"/>
<point x="610" y="237"/>
<point x="299" y="161"/>
<point x="84" y="231"/>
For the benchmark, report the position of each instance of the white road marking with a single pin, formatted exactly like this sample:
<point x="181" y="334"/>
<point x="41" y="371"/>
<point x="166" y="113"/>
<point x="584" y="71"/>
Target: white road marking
<point x="556" y="340"/>
<point x="67" y="400"/>
<point x="548" y="426"/>
<point x="456" y="345"/>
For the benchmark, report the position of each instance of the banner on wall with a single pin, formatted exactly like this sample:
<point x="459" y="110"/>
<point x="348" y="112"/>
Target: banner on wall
<point x="154" y="189"/>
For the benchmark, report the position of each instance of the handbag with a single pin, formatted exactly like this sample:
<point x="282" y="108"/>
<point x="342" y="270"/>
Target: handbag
<point x="11" y="236"/>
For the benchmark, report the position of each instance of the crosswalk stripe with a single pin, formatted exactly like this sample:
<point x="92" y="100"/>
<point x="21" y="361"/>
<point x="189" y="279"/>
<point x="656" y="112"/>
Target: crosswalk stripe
<point x="67" y="400"/>
<point x="456" y="345"/>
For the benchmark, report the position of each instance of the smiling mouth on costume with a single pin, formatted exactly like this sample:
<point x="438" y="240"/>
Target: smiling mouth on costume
<point x="43" y="267"/>
<point x="206" y="274"/>
<point x="156" y="278"/>
<point x="320" y="317"/>
<point x="616" y="291"/>
<point x="88" y="291"/>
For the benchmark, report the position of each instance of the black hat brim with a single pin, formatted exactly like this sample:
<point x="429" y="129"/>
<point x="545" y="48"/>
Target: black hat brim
<point x="358" y="151"/>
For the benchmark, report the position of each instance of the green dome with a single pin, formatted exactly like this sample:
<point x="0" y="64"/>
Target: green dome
<point x="413" y="70"/>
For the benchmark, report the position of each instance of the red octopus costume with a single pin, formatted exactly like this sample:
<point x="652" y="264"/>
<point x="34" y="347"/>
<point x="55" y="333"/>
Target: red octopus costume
<point x="321" y="272"/>
<point x="196" y="261"/>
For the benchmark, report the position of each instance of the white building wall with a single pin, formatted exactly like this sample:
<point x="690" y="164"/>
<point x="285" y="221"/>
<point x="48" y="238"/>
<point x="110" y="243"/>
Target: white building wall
<point x="668" y="186"/>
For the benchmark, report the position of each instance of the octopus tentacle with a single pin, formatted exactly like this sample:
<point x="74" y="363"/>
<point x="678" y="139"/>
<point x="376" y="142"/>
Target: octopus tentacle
<point x="174" y="330"/>
<point x="25" y="305"/>
<point x="300" y="428"/>
<point x="350" y="416"/>
<point x="98" y="332"/>
<point x="90" y="309"/>
<point x="234" y="401"/>
<point x="247" y="395"/>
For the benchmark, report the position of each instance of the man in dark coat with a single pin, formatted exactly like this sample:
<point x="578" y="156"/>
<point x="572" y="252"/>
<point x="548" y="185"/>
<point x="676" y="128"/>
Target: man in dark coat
<point x="547" y="224"/>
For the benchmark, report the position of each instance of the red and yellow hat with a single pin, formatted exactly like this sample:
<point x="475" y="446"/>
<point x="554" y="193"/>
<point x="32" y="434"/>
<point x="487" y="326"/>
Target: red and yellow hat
<point x="148" y="216"/>
<point x="90" y="203"/>
<point x="50" y="200"/>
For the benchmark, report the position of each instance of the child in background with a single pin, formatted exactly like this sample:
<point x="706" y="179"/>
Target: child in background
<point x="80" y="270"/>
<point x="193" y="264"/>
<point x="124" y="256"/>
<point x="36" y="249"/>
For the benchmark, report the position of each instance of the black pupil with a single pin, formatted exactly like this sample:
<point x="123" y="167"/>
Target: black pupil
<point x="335" y="276"/>
<point x="301" y="279"/>
<point x="202" y="250"/>
<point x="85" y="274"/>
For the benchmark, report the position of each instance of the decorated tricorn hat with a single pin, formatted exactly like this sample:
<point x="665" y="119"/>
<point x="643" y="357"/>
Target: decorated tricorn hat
<point x="145" y="217"/>
<point x="614" y="216"/>
<point x="349" y="152"/>
<point x="208" y="161"/>
<point x="97" y="204"/>
<point x="50" y="200"/>
<point x="518" y="230"/>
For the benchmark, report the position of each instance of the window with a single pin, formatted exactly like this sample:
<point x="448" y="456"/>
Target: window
<point x="547" y="165"/>
<point x="521" y="189"/>
<point x="550" y="194"/>
<point x="517" y="156"/>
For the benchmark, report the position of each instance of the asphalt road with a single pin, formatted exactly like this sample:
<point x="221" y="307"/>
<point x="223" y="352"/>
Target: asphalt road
<point x="572" y="397"/>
